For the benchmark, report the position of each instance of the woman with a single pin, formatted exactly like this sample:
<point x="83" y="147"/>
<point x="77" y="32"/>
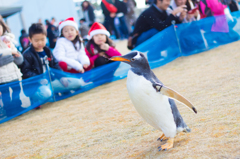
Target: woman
<point x="88" y="13"/>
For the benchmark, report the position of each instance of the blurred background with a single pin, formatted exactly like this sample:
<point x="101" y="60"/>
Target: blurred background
<point x="20" y="14"/>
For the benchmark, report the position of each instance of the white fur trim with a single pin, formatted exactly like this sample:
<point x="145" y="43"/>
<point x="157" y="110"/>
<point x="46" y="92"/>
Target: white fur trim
<point x="99" y="31"/>
<point x="66" y="23"/>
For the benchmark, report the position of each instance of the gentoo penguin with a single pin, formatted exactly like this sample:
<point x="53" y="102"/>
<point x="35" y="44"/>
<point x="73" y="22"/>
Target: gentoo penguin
<point x="152" y="100"/>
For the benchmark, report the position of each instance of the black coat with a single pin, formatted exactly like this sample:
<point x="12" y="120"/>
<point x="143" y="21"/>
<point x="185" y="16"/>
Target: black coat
<point x="32" y="64"/>
<point x="52" y="34"/>
<point x="24" y="46"/>
<point x="121" y="7"/>
<point x="91" y="14"/>
<point x="153" y="18"/>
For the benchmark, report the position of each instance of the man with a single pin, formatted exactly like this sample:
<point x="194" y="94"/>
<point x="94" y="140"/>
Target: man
<point x="153" y="20"/>
<point x="110" y="16"/>
<point x="52" y="34"/>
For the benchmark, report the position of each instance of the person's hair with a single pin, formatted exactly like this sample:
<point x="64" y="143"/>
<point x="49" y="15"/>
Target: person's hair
<point x="97" y="47"/>
<point x="47" y="22"/>
<point x="4" y="25"/>
<point x="89" y="4"/>
<point x="37" y="28"/>
<point x="23" y="31"/>
<point x="77" y="39"/>
<point x="53" y="18"/>
<point x="155" y="1"/>
<point x="83" y="19"/>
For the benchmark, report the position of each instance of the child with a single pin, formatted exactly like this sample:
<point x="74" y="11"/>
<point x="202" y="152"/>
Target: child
<point x="100" y="47"/>
<point x="83" y="28"/>
<point x="9" y="72"/>
<point x="69" y="50"/>
<point x="36" y="59"/>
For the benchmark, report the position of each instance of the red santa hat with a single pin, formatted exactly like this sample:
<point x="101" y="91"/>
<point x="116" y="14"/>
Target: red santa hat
<point x="97" y="28"/>
<point x="68" y="22"/>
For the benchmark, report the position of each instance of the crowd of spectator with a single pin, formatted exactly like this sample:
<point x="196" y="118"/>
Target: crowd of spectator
<point x="79" y="49"/>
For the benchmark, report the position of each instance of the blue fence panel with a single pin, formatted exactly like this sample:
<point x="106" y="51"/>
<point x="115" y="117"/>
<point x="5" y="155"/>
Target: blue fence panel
<point x="20" y="97"/>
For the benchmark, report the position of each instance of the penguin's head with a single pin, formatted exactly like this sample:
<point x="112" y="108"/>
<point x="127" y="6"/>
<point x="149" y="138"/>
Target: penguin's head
<point x="135" y="59"/>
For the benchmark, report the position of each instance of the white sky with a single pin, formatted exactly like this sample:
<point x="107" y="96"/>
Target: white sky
<point x="140" y="3"/>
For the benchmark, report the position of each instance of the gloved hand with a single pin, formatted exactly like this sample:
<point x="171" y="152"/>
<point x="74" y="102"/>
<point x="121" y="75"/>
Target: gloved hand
<point x="6" y="59"/>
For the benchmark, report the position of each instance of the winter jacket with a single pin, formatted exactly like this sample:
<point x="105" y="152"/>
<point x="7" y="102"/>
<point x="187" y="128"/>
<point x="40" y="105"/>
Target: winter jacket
<point x="52" y="33"/>
<point x="83" y="30"/>
<point x="89" y="15"/>
<point x="215" y="8"/>
<point x="110" y="53"/>
<point x="32" y="64"/>
<point x="24" y="41"/>
<point x="9" y="72"/>
<point x="121" y="7"/>
<point x="66" y="52"/>
<point x="152" y="18"/>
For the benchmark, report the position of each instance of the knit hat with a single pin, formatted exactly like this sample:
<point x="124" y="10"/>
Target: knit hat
<point x="97" y="28"/>
<point x="68" y="22"/>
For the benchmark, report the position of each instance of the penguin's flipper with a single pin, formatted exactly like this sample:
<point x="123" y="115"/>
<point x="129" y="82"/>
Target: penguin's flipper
<point x="174" y="95"/>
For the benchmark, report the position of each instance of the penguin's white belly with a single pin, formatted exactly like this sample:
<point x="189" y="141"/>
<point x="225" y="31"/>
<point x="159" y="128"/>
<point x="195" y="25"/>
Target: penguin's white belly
<point x="152" y="106"/>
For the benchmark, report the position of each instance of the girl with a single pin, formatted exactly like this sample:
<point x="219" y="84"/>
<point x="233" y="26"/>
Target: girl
<point x="100" y="47"/>
<point x="69" y="49"/>
<point x="9" y="71"/>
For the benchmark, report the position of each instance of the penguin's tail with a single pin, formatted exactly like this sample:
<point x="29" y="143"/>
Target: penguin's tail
<point x="187" y="130"/>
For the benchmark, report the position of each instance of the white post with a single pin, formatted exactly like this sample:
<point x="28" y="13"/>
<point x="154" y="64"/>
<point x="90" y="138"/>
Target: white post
<point x="47" y="63"/>
<point x="175" y="30"/>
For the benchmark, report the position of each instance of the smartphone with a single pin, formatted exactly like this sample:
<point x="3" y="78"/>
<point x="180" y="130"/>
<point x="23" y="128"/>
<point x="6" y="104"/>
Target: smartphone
<point x="193" y="10"/>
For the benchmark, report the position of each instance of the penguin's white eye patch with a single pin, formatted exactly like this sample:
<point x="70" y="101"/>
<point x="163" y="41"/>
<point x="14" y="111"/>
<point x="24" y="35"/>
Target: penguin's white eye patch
<point x="138" y="56"/>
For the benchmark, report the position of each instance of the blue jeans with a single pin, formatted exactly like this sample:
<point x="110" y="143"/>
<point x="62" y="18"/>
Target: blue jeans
<point x="146" y="35"/>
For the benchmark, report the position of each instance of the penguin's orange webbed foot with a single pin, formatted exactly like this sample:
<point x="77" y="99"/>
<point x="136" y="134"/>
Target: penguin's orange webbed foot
<point x="162" y="138"/>
<point x="168" y="145"/>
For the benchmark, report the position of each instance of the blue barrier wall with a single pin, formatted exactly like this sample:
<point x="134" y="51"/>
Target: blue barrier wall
<point x="164" y="47"/>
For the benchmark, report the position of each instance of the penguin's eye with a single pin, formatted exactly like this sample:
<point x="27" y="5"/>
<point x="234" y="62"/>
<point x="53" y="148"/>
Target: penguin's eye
<point x="132" y="59"/>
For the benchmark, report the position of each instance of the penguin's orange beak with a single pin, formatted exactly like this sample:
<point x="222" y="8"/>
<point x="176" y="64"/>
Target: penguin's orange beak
<point x="119" y="58"/>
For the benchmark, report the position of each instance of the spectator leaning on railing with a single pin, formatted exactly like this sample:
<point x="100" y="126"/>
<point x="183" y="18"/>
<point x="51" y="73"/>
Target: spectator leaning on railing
<point x="153" y="20"/>
<point x="220" y="31"/>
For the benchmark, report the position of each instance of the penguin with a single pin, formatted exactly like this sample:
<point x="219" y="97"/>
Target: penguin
<point x="153" y="100"/>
